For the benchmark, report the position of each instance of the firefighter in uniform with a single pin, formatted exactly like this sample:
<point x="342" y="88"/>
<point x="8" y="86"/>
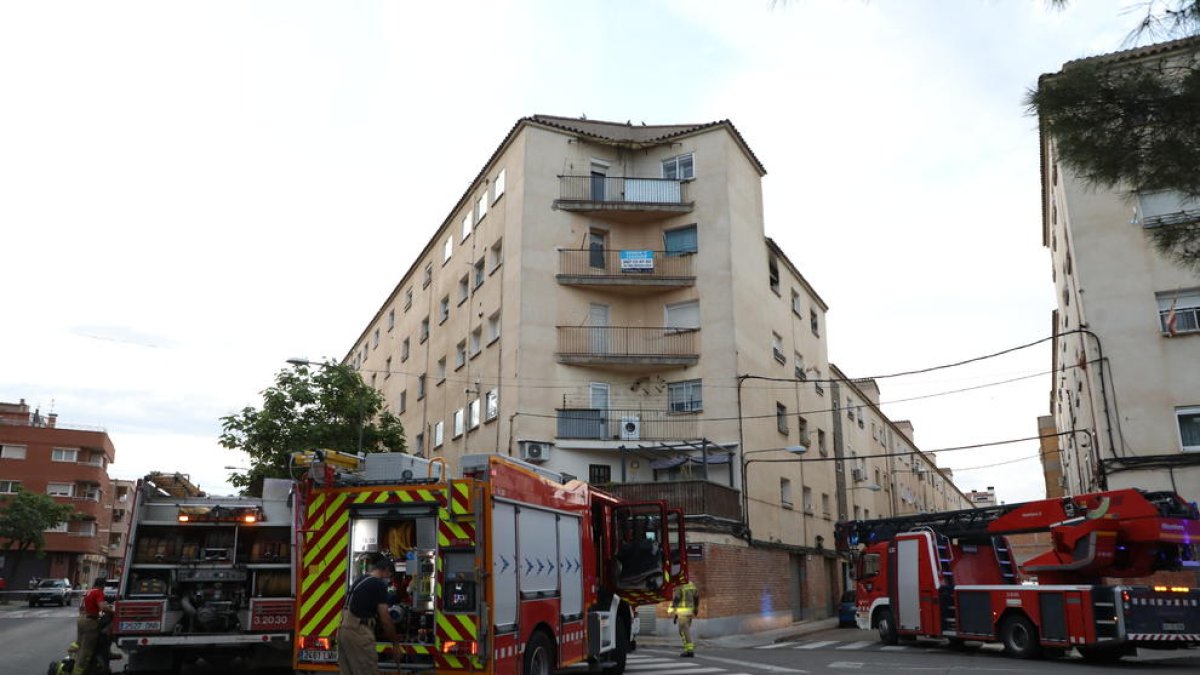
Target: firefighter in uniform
<point x="366" y="607"/>
<point x="684" y="605"/>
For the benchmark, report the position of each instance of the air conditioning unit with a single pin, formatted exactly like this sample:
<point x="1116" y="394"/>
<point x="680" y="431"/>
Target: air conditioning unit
<point x="631" y="428"/>
<point x="1062" y="481"/>
<point x="860" y="475"/>
<point x="535" y="451"/>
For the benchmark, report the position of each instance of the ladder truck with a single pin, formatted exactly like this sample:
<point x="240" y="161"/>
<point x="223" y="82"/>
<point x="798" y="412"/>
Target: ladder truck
<point x="952" y="575"/>
<point x="507" y="569"/>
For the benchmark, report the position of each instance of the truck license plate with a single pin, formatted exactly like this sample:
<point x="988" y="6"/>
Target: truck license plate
<point x="1173" y="626"/>
<point x="318" y="655"/>
<point x="139" y="625"/>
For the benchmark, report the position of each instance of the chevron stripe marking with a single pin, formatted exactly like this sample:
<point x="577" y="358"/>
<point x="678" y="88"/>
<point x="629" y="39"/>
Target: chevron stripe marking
<point x="337" y="510"/>
<point x="325" y="550"/>
<point x="333" y="585"/>
<point x="332" y="600"/>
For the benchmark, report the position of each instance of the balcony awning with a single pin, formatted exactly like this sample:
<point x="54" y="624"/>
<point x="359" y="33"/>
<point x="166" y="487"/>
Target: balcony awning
<point x="672" y="462"/>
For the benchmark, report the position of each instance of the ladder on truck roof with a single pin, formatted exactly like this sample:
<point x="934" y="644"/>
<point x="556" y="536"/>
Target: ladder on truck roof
<point x="952" y="524"/>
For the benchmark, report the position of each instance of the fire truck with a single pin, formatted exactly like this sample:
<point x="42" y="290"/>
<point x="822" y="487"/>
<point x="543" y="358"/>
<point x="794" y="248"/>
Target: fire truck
<point x="953" y="575"/>
<point x="207" y="577"/>
<point x="508" y="568"/>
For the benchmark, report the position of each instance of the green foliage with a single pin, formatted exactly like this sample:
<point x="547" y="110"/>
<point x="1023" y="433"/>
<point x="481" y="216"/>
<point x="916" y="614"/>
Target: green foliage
<point x="324" y="407"/>
<point x="1132" y="126"/>
<point x="24" y="519"/>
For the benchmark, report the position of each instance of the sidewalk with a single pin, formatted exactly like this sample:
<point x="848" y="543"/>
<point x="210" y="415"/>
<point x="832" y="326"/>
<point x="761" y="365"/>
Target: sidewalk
<point x="792" y="632"/>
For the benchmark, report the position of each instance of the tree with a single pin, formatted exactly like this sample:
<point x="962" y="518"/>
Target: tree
<point x="24" y="519"/>
<point x="327" y="407"/>
<point x="1134" y="123"/>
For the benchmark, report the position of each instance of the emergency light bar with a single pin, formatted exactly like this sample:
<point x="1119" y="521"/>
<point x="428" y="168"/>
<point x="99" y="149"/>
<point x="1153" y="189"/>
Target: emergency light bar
<point x="247" y="515"/>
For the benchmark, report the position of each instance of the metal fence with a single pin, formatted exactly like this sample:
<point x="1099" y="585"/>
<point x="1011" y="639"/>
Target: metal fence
<point x="627" y="264"/>
<point x="695" y="497"/>
<point x="626" y="341"/>
<point x="631" y="424"/>
<point x="622" y="190"/>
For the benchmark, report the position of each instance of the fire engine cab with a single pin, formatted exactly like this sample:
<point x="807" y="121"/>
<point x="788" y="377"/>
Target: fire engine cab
<point x="508" y="568"/>
<point x="953" y="575"/>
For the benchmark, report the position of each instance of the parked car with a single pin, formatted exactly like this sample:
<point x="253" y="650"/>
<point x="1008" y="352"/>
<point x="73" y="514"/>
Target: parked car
<point x="846" y="609"/>
<point x="110" y="590"/>
<point x="57" y="591"/>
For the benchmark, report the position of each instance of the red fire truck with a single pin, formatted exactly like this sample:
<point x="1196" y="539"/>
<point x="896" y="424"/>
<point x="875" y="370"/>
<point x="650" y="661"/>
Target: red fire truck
<point x="952" y="575"/>
<point x="508" y="569"/>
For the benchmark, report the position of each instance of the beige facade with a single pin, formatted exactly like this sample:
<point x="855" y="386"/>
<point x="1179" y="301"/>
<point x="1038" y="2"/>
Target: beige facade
<point x="603" y="300"/>
<point x="1125" y="396"/>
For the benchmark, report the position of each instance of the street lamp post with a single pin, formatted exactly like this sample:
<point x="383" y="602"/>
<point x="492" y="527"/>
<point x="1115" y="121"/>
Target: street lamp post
<point x="791" y="449"/>
<point x="306" y="362"/>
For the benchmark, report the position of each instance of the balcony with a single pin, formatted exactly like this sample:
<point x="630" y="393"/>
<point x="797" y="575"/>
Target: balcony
<point x="695" y="497"/>
<point x="627" y="347"/>
<point x="627" y="271"/>
<point x="583" y="423"/>
<point x="631" y="198"/>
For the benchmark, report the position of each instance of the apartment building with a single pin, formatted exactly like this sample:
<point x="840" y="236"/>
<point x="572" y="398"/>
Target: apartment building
<point x="602" y="300"/>
<point x="118" y="502"/>
<point x="40" y="454"/>
<point x="1125" y="398"/>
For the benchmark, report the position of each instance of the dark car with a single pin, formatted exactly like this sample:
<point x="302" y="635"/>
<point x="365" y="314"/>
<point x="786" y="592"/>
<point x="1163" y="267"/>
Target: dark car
<point x="57" y="591"/>
<point x="846" y="609"/>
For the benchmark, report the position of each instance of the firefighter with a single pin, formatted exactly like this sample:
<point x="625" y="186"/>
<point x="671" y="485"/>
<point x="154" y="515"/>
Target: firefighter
<point x="88" y="626"/>
<point x="366" y="607"/>
<point x="684" y="605"/>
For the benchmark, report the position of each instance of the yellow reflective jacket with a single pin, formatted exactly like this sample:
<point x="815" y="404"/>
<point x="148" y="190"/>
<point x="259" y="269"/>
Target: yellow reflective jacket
<point x="685" y="601"/>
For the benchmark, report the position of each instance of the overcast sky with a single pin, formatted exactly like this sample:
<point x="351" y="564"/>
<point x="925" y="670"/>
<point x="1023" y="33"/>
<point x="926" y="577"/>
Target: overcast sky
<point x="191" y="193"/>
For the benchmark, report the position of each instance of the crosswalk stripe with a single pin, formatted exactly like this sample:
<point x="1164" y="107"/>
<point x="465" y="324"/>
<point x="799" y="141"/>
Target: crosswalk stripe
<point x="854" y="645"/>
<point x="893" y="648"/>
<point x="777" y="645"/>
<point x="649" y="662"/>
<point x="685" y="671"/>
<point x="817" y="645"/>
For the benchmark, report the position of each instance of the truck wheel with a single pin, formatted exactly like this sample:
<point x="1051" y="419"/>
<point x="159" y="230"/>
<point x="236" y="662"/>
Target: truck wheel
<point x="887" y="627"/>
<point x="618" y="655"/>
<point x="1020" y="638"/>
<point x="539" y="655"/>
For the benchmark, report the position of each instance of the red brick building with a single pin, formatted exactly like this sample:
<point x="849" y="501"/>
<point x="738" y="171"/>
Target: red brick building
<point x="70" y="463"/>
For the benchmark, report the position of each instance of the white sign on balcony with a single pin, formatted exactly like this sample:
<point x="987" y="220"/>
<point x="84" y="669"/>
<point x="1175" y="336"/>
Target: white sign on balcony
<point x="637" y="261"/>
<point x="652" y="190"/>
<point x="1165" y="208"/>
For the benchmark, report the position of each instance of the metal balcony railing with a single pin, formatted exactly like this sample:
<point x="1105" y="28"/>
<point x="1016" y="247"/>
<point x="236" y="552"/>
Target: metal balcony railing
<point x="629" y="266"/>
<point x="627" y="342"/>
<point x="631" y="424"/>
<point x="623" y="191"/>
<point x="695" y="497"/>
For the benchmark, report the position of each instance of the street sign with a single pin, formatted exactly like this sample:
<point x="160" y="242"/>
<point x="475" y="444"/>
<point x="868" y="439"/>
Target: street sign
<point x="695" y="551"/>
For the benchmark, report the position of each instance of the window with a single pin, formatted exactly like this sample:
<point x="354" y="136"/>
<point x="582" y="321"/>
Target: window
<point x="466" y="225"/>
<point x="476" y="340"/>
<point x="796" y="308"/>
<point x="808" y="503"/>
<point x="849" y="407"/>
<point x="817" y="383"/>
<point x="364" y="354"/>
<point x="441" y="370"/>
<point x="773" y="275"/>
<point x="866" y="514"/>
<point x="825" y="504"/>
<point x="64" y="455"/>
<point x="387" y="368"/>
<point x="12" y="452"/>
<point x="9" y="487"/>
<point x="1179" y="312"/>
<point x="496" y="253"/>
<point x="798" y="361"/>
<point x="821" y="443"/>
<point x="443" y="309"/>
<point x="802" y="429"/>
<point x="447" y="249"/>
<point x="492" y="405"/>
<point x="404" y="350"/>
<point x="473" y="414"/>
<point x="860" y="417"/>
<point x="679" y="167"/>
<point x="599" y="474"/>
<point x="877" y="481"/>
<point x="419" y="445"/>
<point x="815" y="322"/>
<point x="424" y="329"/>
<point x="684" y="315"/>
<point x="781" y="418"/>
<point x="481" y="207"/>
<point x="480" y="275"/>
<point x="1189" y="428"/>
<point x="857" y="512"/>
<point x="60" y="489"/>
<point x="403" y="403"/>
<point x="464" y="288"/>
<point x="680" y="241"/>
<point x="498" y="186"/>
<point x="391" y="319"/>
<point x="685" y="396"/>
<point x="777" y="348"/>
<point x="493" y="327"/>
<point x="428" y="278"/>
<point x="459" y="422"/>
<point x="785" y="493"/>
<point x="408" y="299"/>
<point x="439" y="432"/>
<point x="460" y="354"/>
<point x="420" y="386"/>
<point x="373" y="380"/>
